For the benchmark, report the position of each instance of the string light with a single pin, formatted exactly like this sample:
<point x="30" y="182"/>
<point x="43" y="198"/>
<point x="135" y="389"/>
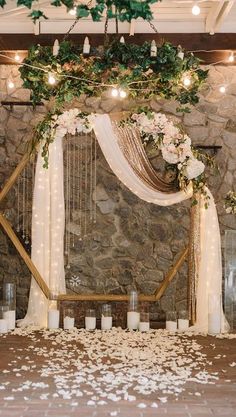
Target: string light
<point x="114" y="92"/>
<point x="72" y="12"/>
<point x="17" y="57"/>
<point x="122" y="93"/>
<point x="51" y="79"/>
<point x="222" y="89"/>
<point x="118" y="92"/>
<point x="10" y="84"/>
<point x="196" y="10"/>
<point x="186" y="81"/>
<point x="231" y="57"/>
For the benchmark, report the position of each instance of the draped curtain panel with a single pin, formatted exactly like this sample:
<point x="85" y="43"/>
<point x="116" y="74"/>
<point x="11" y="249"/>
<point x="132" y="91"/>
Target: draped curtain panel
<point x="128" y="161"/>
<point x="48" y="224"/>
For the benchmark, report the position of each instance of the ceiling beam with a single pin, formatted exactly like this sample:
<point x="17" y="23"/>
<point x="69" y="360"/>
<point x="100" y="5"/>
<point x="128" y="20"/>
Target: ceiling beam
<point x="217" y="14"/>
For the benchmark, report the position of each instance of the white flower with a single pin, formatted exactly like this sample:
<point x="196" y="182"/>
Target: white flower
<point x="194" y="168"/>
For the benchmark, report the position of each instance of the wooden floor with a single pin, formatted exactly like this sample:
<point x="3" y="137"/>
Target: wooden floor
<point x="206" y="400"/>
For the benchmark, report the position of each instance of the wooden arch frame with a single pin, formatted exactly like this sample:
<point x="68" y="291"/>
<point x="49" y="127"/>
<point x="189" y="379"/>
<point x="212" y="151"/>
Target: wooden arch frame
<point x="74" y="297"/>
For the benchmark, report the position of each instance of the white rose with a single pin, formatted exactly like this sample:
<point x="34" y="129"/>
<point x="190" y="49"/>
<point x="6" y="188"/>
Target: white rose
<point x="194" y="168"/>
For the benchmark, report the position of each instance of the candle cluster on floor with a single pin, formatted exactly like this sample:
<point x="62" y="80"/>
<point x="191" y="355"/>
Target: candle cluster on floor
<point x="99" y="367"/>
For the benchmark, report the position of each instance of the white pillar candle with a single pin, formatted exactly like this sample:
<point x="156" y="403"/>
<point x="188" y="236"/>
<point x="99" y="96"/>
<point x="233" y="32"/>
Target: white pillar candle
<point x="68" y="323"/>
<point x="106" y="323"/>
<point x="3" y="326"/>
<point x="10" y="317"/>
<point x="144" y="326"/>
<point x="53" y="319"/>
<point x="214" y="322"/>
<point x="133" y="318"/>
<point x="183" y="324"/>
<point x="90" y="323"/>
<point x="171" y="326"/>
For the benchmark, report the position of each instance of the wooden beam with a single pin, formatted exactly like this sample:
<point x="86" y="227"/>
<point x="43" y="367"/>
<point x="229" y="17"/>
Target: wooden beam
<point x="189" y="41"/>
<point x="21" y="250"/>
<point x="213" y="15"/>
<point x="102" y="297"/>
<point x="10" y="182"/>
<point x="169" y="277"/>
<point x="227" y="6"/>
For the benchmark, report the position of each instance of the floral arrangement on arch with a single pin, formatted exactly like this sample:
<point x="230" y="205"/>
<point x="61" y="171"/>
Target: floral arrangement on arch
<point x="174" y="144"/>
<point x="176" y="149"/>
<point x="230" y="202"/>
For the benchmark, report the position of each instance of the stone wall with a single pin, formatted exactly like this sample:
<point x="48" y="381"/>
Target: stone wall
<point x="133" y="243"/>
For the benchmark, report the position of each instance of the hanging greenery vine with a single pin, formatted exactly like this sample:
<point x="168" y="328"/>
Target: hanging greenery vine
<point x="127" y="66"/>
<point x="123" y="10"/>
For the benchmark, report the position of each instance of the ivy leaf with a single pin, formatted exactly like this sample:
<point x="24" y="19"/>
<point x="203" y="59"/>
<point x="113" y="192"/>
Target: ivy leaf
<point x="2" y="3"/>
<point x="26" y="3"/>
<point x="56" y="3"/>
<point x="82" y="11"/>
<point x="36" y="14"/>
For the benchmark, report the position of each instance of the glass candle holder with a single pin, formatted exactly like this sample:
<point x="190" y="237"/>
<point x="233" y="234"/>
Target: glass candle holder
<point x="144" y="324"/>
<point x="3" y="320"/>
<point x="106" y="320"/>
<point x="9" y="298"/>
<point x="214" y="313"/>
<point x="9" y="295"/>
<point x="90" y="319"/>
<point x="171" y="321"/>
<point x="133" y="315"/>
<point x="183" y="320"/>
<point x="68" y="318"/>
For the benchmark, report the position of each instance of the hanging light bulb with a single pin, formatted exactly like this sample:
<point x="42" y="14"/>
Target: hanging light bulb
<point x="196" y="10"/>
<point x="231" y="57"/>
<point x="72" y="12"/>
<point x="51" y="79"/>
<point x="10" y="84"/>
<point x="222" y="89"/>
<point x="122" y="93"/>
<point x="187" y="81"/>
<point x="17" y="57"/>
<point x="114" y="92"/>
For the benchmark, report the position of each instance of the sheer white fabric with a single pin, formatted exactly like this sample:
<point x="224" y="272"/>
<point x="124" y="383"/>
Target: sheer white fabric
<point x="48" y="223"/>
<point x="210" y="268"/>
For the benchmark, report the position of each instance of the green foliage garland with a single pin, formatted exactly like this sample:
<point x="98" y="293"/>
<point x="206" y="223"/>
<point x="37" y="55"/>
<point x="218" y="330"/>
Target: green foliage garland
<point x="128" y="66"/>
<point x="123" y="10"/>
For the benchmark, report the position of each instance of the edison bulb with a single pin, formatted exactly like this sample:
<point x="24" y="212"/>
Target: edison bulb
<point x="222" y="89"/>
<point x="72" y="12"/>
<point x="17" y="57"/>
<point x="114" y="92"/>
<point x="123" y="94"/>
<point x="196" y="10"/>
<point x="51" y="79"/>
<point x="11" y="84"/>
<point x="231" y="57"/>
<point x="186" y="81"/>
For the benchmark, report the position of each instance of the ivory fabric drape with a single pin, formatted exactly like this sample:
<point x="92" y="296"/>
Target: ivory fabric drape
<point x="48" y="223"/>
<point x="210" y="267"/>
